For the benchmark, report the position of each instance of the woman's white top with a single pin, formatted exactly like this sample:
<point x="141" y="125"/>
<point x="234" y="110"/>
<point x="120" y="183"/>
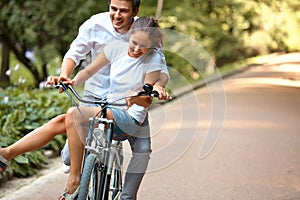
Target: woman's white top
<point x="127" y="74"/>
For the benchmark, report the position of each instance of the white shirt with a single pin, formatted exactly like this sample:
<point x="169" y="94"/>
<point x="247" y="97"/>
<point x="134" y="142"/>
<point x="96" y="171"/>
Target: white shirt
<point x="127" y="74"/>
<point x="94" y="34"/>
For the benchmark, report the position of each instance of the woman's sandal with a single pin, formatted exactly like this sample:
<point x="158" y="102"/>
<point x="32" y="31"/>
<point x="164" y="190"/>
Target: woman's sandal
<point x="66" y="196"/>
<point x="3" y="164"/>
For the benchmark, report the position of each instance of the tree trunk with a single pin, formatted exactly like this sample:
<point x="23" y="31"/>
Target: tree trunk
<point x="159" y="9"/>
<point x="4" y="79"/>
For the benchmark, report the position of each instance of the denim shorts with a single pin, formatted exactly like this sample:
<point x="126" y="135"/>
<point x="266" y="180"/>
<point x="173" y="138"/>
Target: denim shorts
<point x="125" y="125"/>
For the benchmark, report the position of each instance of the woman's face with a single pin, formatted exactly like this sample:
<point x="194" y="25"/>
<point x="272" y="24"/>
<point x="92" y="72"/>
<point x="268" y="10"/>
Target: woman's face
<point x="139" y="44"/>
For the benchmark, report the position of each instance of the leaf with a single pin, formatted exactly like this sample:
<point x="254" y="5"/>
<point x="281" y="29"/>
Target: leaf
<point x="21" y="159"/>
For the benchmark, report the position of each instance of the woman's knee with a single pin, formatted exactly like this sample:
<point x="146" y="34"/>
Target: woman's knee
<point x="70" y="115"/>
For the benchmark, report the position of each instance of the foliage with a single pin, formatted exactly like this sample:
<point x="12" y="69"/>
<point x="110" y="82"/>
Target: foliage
<point x="22" y="111"/>
<point x="46" y="27"/>
<point x="232" y="30"/>
<point x="229" y="30"/>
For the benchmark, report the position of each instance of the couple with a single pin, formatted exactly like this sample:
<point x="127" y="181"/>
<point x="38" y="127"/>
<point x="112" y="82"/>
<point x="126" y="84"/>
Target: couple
<point x="120" y="13"/>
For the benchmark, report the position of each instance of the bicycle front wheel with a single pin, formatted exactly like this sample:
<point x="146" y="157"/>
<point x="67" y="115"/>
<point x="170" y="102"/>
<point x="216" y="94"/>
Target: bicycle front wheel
<point x="114" y="181"/>
<point x="90" y="178"/>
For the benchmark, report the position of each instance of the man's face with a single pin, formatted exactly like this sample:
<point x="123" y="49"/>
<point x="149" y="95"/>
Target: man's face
<point x="121" y="15"/>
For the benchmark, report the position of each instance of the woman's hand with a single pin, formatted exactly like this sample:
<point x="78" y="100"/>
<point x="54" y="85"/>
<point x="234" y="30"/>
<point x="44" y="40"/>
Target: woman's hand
<point x="163" y="94"/>
<point x="144" y="101"/>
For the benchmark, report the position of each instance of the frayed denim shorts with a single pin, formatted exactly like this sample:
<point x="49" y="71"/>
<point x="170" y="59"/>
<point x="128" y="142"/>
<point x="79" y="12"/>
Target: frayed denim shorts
<point x="125" y="125"/>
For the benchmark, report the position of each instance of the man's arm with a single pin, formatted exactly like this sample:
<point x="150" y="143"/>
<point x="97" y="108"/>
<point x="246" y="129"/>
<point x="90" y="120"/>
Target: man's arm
<point x="67" y="67"/>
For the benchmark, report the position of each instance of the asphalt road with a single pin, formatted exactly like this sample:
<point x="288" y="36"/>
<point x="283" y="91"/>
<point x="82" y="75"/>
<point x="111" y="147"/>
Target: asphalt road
<point x="238" y="138"/>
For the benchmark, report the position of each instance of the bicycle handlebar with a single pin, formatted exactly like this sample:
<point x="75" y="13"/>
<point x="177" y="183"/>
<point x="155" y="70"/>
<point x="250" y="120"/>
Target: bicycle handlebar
<point x="148" y="91"/>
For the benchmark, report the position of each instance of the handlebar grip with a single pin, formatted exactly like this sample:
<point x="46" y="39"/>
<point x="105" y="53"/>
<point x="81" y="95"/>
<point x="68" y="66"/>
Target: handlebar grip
<point x="155" y="93"/>
<point x="148" y="88"/>
<point x="148" y="91"/>
<point x="63" y="86"/>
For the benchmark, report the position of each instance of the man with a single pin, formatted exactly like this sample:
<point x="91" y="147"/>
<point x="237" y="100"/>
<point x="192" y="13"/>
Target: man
<point x="93" y="35"/>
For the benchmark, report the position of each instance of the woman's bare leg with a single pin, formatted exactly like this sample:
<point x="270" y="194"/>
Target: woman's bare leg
<point x="36" y="138"/>
<point x="76" y="126"/>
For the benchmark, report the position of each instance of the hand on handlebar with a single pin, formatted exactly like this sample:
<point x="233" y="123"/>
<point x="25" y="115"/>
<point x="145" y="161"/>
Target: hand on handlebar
<point x="56" y="80"/>
<point x="163" y="94"/>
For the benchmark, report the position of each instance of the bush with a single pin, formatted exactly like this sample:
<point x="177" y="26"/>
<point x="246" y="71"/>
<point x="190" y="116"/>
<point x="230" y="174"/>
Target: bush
<point x="23" y="110"/>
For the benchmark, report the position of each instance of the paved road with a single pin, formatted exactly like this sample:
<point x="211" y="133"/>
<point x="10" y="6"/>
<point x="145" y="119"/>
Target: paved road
<point x="257" y="155"/>
<point x="252" y="121"/>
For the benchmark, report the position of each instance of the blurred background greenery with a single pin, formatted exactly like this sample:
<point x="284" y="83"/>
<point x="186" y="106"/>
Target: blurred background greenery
<point x="224" y="32"/>
<point x="229" y="30"/>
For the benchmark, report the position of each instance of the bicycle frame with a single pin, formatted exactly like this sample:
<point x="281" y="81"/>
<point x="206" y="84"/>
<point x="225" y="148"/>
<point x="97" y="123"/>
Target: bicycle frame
<point x="108" y="153"/>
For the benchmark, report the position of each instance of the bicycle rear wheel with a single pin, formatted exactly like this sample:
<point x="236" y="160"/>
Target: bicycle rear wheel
<point x="89" y="183"/>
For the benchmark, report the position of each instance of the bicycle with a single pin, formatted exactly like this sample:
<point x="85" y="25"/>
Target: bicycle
<point x="101" y="177"/>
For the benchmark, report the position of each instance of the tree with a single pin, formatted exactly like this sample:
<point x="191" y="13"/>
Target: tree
<point x="235" y="29"/>
<point x="229" y="30"/>
<point x="46" y="27"/>
<point x="5" y="65"/>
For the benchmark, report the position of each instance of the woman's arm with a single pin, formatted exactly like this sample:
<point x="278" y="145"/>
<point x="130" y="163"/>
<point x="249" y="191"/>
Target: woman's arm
<point x="145" y="101"/>
<point x="99" y="62"/>
<point x="160" y="85"/>
<point x="152" y="77"/>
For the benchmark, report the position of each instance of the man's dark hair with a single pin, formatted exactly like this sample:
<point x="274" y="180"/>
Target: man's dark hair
<point x="135" y="4"/>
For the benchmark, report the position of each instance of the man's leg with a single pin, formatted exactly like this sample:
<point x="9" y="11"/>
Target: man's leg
<point x="65" y="156"/>
<point x="141" y="149"/>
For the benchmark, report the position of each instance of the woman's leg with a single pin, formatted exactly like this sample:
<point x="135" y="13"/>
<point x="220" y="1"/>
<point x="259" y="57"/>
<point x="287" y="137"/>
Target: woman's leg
<point x="36" y="138"/>
<point x="76" y="126"/>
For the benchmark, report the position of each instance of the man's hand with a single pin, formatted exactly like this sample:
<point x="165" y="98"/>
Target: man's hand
<point x="163" y="94"/>
<point x="55" y="80"/>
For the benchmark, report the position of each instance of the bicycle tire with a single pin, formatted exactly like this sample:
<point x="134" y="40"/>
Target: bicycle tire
<point x="90" y="169"/>
<point x="116" y="185"/>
